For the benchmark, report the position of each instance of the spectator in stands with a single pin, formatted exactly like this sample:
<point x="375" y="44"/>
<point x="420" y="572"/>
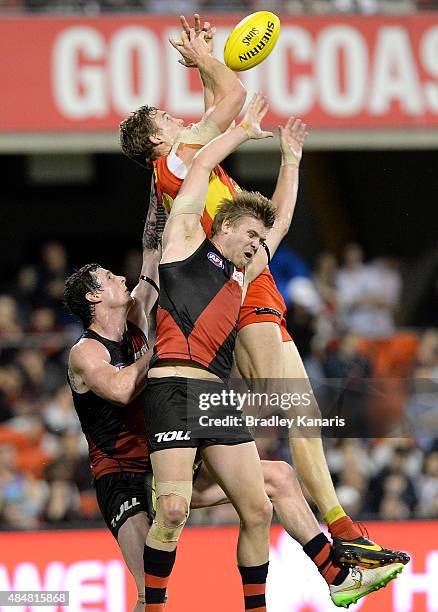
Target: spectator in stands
<point x="393" y="508"/>
<point x="52" y="273"/>
<point x="10" y="326"/>
<point x="421" y="408"/>
<point x="24" y="291"/>
<point x="305" y="305"/>
<point x="324" y="278"/>
<point x="427" y="484"/>
<point x="22" y="496"/>
<point x="367" y="295"/>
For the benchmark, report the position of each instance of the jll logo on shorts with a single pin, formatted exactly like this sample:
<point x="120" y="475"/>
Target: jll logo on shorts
<point x="124" y="508"/>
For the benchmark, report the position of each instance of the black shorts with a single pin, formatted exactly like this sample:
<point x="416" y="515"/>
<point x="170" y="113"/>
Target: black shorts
<point x="124" y="494"/>
<point x="174" y="418"/>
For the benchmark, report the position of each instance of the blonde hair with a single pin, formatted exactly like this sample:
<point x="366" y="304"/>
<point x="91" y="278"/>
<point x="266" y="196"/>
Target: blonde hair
<point x="244" y="204"/>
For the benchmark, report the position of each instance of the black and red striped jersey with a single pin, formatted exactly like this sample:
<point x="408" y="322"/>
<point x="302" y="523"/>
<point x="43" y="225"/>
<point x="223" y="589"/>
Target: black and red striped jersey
<point x="198" y="310"/>
<point x="115" y="434"/>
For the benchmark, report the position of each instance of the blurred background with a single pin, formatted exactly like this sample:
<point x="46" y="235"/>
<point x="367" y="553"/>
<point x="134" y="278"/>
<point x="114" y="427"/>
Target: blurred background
<point x="359" y="269"/>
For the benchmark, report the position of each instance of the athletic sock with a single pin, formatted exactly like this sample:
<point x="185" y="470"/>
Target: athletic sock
<point x="320" y="551"/>
<point x="340" y="525"/>
<point x="158" y="566"/>
<point x="254" y="586"/>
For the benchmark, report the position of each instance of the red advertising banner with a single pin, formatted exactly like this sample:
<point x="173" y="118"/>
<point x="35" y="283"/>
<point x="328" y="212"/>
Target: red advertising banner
<point x="88" y="565"/>
<point x="336" y="72"/>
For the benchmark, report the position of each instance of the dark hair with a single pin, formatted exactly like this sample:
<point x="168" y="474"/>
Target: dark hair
<point x="134" y="132"/>
<point x="76" y="287"/>
<point x="244" y="204"/>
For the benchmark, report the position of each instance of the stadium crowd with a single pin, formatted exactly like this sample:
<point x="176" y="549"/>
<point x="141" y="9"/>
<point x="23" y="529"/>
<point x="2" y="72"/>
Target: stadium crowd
<point x="343" y="318"/>
<point x="189" y="6"/>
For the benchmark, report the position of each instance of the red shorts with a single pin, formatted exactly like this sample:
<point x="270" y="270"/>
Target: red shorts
<point x="264" y="304"/>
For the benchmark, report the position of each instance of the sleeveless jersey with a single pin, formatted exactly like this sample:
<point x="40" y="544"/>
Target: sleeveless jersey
<point x="262" y="292"/>
<point x="198" y="310"/>
<point x="116" y="435"/>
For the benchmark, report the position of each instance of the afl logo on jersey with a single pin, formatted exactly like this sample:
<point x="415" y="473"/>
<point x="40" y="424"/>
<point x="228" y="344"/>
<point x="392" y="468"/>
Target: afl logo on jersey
<point x="215" y="259"/>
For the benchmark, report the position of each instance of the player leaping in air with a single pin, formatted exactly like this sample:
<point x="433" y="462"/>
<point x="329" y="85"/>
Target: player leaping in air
<point x="202" y="284"/>
<point x="264" y="349"/>
<point x="107" y="372"/>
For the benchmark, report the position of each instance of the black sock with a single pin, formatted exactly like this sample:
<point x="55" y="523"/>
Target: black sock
<point x="254" y="586"/>
<point x="320" y="551"/>
<point x="158" y="566"/>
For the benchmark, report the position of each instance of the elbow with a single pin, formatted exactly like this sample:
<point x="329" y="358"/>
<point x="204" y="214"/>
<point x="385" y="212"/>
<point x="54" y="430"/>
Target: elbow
<point x="238" y="98"/>
<point x="284" y="226"/>
<point x="201" y="161"/>
<point x="124" y="394"/>
<point x="233" y="100"/>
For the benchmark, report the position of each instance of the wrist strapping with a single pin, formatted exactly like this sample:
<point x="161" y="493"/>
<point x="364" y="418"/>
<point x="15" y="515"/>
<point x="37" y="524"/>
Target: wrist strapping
<point x="248" y="130"/>
<point x="187" y="205"/>
<point x="288" y="158"/>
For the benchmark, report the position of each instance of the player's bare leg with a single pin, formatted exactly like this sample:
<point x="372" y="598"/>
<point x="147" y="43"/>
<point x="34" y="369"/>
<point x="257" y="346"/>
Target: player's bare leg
<point x="281" y="360"/>
<point x="131" y="538"/>
<point x="173" y="486"/>
<point x="308" y="453"/>
<point x="284" y="491"/>
<point x="346" y="586"/>
<point x="309" y="458"/>
<point x="282" y="488"/>
<point x="237" y="469"/>
<point x="257" y="357"/>
<point x="255" y="362"/>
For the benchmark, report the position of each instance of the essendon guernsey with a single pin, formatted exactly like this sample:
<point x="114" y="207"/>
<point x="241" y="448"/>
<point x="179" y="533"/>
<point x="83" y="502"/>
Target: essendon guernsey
<point x="115" y="434"/>
<point x="262" y="291"/>
<point x="198" y="310"/>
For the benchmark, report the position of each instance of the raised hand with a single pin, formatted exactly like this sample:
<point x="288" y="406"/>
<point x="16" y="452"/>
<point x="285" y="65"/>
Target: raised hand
<point x="292" y="138"/>
<point x="257" y="109"/>
<point x="206" y="28"/>
<point x="192" y="47"/>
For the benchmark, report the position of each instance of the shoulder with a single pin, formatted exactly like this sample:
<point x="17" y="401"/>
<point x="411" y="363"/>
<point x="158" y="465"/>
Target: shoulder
<point x="86" y="351"/>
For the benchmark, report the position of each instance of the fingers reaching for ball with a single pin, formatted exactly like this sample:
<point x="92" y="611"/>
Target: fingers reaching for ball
<point x="256" y="111"/>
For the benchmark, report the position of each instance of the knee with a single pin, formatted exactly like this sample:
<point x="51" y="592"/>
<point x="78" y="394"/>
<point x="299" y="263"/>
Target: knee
<point x="172" y="510"/>
<point x="258" y="514"/>
<point x="279" y="478"/>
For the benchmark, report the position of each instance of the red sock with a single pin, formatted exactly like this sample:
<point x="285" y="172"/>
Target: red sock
<point x="344" y="528"/>
<point x="320" y="551"/>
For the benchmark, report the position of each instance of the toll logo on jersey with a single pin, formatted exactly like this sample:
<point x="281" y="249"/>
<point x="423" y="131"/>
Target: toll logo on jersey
<point x="169" y="436"/>
<point x="238" y="277"/>
<point x="127" y="505"/>
<point x="215" y="259"/>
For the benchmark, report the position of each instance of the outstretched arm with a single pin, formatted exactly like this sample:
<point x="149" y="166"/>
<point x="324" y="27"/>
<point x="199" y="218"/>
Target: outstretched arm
<point x="224" y="94"/>
<point x="145" y="294"/>
<point x="292" y="138"/>
<point x="211" y="90"/>
<point x="183" y="232"/>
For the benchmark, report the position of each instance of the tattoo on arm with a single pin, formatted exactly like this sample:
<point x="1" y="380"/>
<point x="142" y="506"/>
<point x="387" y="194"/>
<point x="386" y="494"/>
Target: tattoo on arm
<point x="155" y="222"/>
